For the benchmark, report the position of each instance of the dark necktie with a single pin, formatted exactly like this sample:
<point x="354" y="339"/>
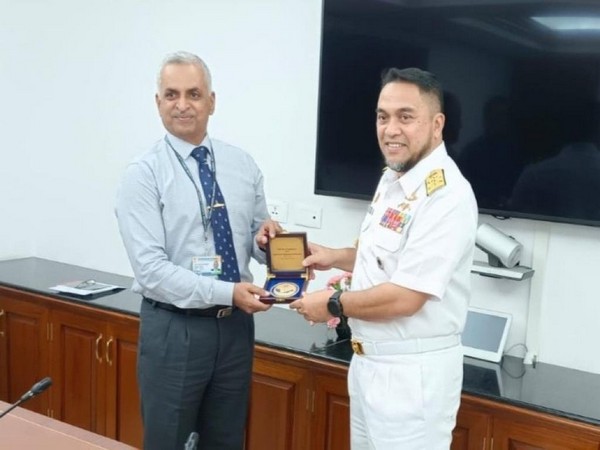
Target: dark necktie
<point x="219" y="219"/>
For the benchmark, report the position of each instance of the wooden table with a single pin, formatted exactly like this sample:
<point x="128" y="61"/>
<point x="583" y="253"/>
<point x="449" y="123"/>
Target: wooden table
<point x="22" y="429"/>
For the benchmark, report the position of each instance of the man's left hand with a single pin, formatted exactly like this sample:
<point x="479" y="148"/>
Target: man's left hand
<point x="313" y="306"/>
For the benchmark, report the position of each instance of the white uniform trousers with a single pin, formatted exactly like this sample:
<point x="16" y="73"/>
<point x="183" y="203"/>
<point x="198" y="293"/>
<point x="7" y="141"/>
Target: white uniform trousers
<point x="405" y="402"/>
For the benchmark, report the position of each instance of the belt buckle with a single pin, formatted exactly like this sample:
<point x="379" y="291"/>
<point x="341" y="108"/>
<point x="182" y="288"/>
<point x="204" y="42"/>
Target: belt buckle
<point x="225" y="312"/>
<point x="357" y="347"/>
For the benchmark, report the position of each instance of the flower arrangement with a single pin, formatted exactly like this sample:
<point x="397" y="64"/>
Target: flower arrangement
<point x="340" y="282"/>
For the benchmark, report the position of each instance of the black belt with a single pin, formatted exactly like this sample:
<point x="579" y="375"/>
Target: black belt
<point x="214" y="311"/>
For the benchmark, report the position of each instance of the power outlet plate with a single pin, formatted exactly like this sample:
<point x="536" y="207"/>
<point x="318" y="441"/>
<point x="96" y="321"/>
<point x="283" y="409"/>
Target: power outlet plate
<point x="278" y="210"/>
<point x="308" y="216"/>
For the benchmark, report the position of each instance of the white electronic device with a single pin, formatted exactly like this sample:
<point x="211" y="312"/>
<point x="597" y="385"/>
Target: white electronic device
<point x="485" y="334"/>
<point x="514" y="273"/>
<point x="502" y="250"/>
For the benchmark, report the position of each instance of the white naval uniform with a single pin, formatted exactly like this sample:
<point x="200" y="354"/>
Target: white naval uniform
<point x="409" y="399"/>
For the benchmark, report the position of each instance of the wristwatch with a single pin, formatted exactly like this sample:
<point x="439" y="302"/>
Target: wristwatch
<point x="334" y="306"/>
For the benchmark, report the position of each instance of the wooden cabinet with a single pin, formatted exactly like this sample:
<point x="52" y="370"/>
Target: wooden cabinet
<point x="23" y="350"/>
<point x="78" y="370"/>
<point x="123" y="413"/>
<point x="488" y="425"/>
<point x="280" y="402"/>
<point x="525" y="435"/>
<point x="297" y="403"/>
<point x="89" y="353"/>
<point x="473" y="428"/>
<point x="331" y="411"/>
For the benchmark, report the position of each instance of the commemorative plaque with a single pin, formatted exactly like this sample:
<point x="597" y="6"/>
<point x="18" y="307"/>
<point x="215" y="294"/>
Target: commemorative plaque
<point x="287" y="279"/>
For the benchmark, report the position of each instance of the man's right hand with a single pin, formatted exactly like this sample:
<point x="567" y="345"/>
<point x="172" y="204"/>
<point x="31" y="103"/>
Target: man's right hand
<point x="245" y="297"/>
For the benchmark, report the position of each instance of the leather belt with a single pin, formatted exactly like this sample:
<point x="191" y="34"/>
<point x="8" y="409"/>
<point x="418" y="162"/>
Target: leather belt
<point x="419" y="345"/>
<point x="217" y="312"/>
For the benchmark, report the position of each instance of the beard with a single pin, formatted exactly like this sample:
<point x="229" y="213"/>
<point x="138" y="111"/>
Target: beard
<point x="400" y="167"/>
<point x="405" y="166"/>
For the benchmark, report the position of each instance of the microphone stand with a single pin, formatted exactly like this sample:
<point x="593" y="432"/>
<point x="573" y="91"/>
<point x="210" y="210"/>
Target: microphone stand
<point x="36" y="389"/>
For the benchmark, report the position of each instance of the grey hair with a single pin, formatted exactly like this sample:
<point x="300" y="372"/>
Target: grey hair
<point x="182" y="57"/>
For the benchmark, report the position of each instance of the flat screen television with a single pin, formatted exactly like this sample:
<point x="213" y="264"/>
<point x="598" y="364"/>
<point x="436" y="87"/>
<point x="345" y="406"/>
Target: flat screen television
<point x="522" y="89"/>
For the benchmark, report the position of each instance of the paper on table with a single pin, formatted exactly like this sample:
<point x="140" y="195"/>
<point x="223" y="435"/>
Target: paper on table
<point x="86" y="287"/>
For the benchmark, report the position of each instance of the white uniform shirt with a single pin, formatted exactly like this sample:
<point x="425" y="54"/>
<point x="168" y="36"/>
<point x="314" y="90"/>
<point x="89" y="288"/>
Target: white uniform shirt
<point x="426" y="244"/>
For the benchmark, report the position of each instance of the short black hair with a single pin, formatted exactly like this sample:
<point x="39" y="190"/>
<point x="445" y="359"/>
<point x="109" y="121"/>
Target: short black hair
<point x="427" y="82"/>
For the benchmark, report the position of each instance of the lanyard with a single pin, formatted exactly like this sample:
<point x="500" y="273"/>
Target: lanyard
<point x="206" y="213"/>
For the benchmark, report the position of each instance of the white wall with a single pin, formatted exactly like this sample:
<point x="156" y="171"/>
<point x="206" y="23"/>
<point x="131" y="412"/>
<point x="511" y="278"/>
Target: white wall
<point x="78" y="81"/>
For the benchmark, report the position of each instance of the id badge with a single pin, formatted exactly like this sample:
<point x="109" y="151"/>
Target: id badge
<point x="206" y="265"/>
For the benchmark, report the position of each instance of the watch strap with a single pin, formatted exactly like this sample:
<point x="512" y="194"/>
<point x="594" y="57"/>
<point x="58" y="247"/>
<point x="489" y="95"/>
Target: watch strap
<point x="335" y="298"/>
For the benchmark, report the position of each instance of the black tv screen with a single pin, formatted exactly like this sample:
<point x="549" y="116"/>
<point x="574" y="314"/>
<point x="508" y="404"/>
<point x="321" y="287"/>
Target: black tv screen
<point x="522" y="89"/>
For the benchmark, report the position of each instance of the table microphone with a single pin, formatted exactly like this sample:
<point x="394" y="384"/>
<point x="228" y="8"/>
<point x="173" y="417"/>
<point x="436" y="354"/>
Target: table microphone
<point x="36" y="389"/>
<point x="192" y="441"/>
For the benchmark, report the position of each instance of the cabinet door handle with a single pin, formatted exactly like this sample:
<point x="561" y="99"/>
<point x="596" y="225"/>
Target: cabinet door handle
<point x="2" y="316"/>
<point x="107" y="354"/>
<point x="310" y="400"/>
<point x="98" y="357"/>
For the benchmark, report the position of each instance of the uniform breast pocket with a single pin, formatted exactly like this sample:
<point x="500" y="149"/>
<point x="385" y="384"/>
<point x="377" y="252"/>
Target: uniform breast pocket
<point x="388" y="241"/>
<point x="386" y="246"/>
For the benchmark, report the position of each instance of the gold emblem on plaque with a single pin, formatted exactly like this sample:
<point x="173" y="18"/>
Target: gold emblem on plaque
<point x="284" y="289"/>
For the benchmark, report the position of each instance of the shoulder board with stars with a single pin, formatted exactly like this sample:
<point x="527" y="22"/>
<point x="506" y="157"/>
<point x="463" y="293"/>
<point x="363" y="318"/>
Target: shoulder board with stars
<point x="434" y="181"/>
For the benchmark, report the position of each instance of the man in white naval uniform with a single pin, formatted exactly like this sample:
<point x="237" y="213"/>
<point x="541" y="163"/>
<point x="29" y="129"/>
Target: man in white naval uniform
<point x="411" y="278"/>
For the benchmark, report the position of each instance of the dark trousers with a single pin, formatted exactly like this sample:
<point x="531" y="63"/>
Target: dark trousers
<point x="194" y="375"/>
